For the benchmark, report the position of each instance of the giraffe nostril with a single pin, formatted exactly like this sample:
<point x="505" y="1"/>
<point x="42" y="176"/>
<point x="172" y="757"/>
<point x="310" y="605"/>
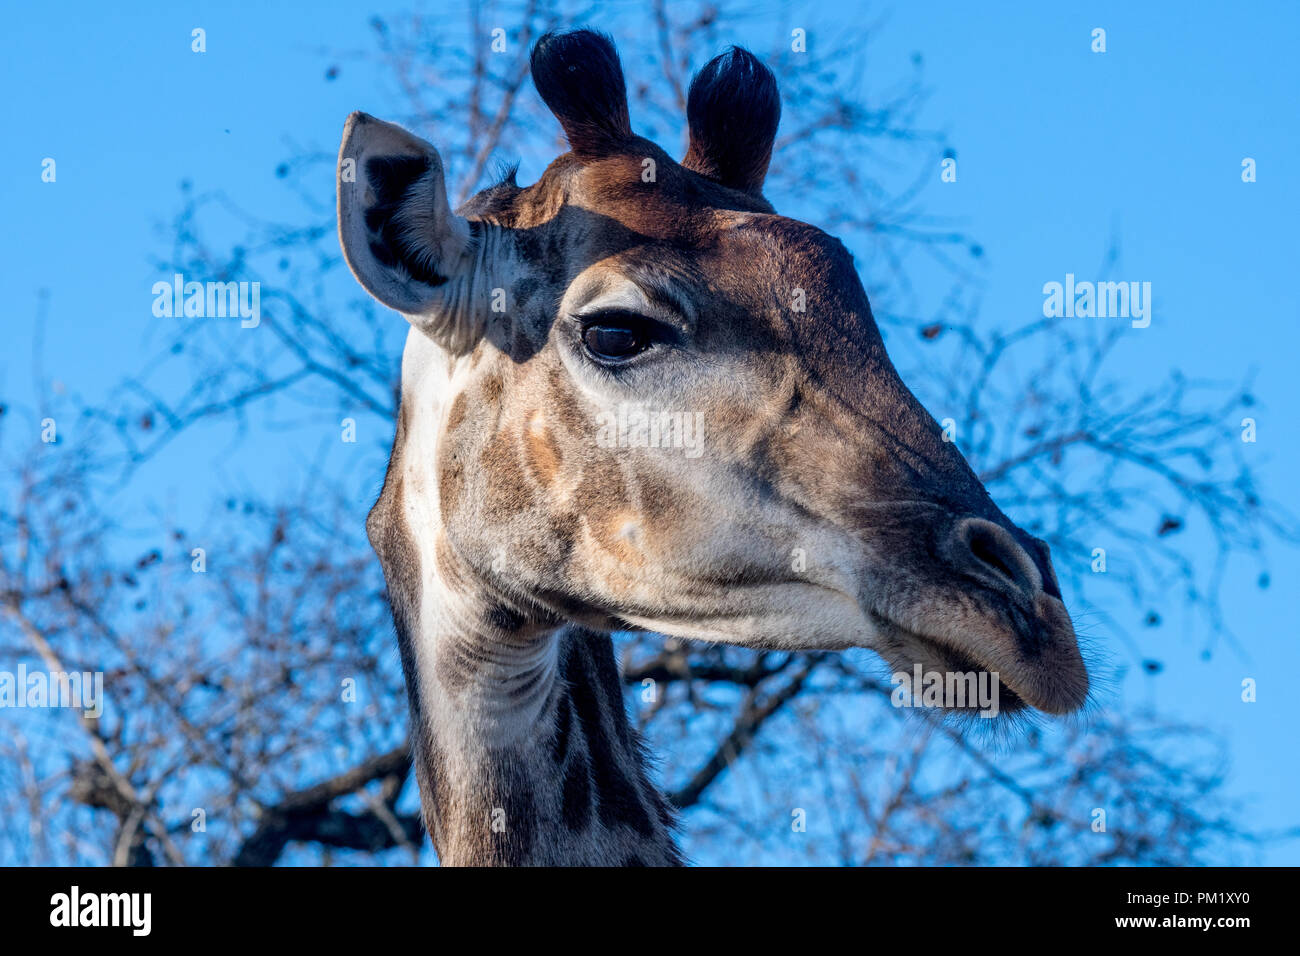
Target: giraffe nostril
<point x="983" y="549"/>
<point x="995" y="550"/>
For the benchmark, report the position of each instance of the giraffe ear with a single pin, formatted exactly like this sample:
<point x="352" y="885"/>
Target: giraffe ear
<point x="579" y="77"/>
<point x="733" y="109"/>
<point x="398" y="233"/>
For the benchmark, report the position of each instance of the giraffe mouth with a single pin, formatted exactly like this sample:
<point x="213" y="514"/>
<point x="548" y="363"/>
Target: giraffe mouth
<point x="958" y="662"/>
<point x="913" y="655"/>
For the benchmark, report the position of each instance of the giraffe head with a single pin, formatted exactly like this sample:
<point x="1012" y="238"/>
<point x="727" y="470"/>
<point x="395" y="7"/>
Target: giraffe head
<point x="635" y="396"/>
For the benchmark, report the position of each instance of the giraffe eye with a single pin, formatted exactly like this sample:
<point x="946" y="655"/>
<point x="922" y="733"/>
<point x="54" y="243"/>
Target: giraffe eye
<point x="615" y="337"/>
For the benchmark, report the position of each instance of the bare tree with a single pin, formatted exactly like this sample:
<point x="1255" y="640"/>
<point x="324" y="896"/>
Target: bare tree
<point x="257" y="712"/>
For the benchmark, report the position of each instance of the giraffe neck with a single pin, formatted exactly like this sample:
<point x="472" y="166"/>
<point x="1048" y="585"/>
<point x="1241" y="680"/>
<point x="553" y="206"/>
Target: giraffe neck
<point x="523" y="751"/>
<point x="525" y="757"/>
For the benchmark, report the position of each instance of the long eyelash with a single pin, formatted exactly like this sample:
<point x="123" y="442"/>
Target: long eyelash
<point x="614" y="317"/>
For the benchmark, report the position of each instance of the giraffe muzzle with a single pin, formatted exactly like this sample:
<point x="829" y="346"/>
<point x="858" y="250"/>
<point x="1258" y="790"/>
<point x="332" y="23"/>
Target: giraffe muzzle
<point x="990" y="603"/>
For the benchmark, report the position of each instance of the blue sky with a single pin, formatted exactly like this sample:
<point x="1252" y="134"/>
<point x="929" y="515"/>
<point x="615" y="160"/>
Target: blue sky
<point x="1060" y="151"/>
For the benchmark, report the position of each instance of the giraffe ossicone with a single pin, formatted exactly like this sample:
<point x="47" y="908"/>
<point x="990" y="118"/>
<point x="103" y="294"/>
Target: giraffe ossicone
<point x="514" y="541"/>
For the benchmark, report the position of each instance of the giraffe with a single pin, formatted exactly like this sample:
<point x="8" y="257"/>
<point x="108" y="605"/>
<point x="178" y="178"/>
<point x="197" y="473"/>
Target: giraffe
<point x="514" y="540"/>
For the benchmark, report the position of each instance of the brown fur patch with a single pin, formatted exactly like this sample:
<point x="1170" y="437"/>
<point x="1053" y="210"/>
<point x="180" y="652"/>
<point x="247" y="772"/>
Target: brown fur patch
<point x="492" y="388"/>
<point x="456" y="416"/>
<point x="621" y="536"/>
<point x="451" y="484"/>
<point x="507" y="490"/>
<point x="542" y="454"/>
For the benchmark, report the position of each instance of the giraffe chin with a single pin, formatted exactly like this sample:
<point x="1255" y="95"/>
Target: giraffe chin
<point x="1047" y="687"/>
